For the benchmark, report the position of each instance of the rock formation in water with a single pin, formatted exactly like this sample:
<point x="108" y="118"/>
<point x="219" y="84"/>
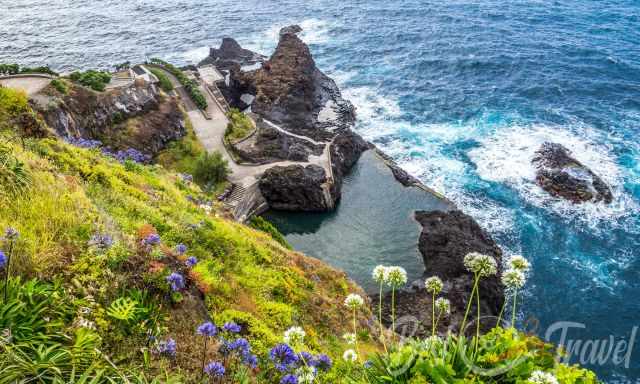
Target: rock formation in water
<point x="563" y="176"/>
<point x="298" y="188"/>
<point x="231" y="54"/>
<point x="445" y="239"/>
<point x="137" y="117"/>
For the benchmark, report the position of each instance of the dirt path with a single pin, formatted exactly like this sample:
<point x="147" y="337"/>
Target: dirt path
<point x="31" y="85"/>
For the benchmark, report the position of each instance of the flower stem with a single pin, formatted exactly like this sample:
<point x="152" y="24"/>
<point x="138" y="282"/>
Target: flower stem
<point x="504" y="305"/>
<point x="475" y="350"/>
<point x="513" y="315"/>
<point x="393" y="311"/>
<point x="355" y="333"/>
<point x="433" y="314"/>
<point x="204" y="357"/>
<point x="6" y="276"/>
<point x="384" y="344"/>
<point x="466" y="313"/>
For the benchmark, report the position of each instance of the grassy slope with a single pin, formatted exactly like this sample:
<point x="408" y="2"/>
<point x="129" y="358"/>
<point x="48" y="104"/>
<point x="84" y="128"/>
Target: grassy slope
<point x="244" y="274"/>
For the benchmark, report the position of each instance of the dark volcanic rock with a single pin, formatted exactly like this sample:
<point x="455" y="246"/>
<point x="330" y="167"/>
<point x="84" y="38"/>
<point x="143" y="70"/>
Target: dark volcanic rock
<point x="445" y="239"/>
<point x="298" y="188"/>
<point x="294" y="29"/>
<point x="231" y="54"/>
<point x="269" y="145"/>
<point x="561" y="175"/>
<point x="135" y="117"/>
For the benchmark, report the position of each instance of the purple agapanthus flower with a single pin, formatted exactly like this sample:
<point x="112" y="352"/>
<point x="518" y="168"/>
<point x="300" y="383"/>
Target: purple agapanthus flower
<point x="214" y="369"/>
<point x="152" y="239"/>
<point x="176" y="280"/>
<point x="3" y="259"/>
<point x="231" y="327"/>
<point x="323" y="362"/>
<point x="11" y="233"/>
<point x="368" y="364"/>
<point x="250" y="360"/>
<point x="241" y="345"/>
<point x="191" y="261"/>
<point x="283" y="357"/>
<point x="84" y="143"/>
<point x="181" y="249"/>
<point x="101" y="240"/>
<point x="289" y="379"/>
<point x="207" y="329"/>
<point x="167" y="347"/>
<point x="306" y="357"/>
<point x="130" y="154"/>
<point x="187" y="178"/>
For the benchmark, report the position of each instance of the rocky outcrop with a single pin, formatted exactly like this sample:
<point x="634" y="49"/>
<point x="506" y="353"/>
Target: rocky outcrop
<point x="445" y="239"/>
<point x="298" y="188"/>
<point x="270" y="145"/>
<point x="231" y="54"/>
<point x="135" y="117"/>
<point x="563" y="176"/>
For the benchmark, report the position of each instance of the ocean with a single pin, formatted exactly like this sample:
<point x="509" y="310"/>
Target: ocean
<point x="461" y="93"/>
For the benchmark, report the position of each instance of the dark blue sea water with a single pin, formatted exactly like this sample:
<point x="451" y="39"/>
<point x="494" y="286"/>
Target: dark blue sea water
<point x="460" y="92"/>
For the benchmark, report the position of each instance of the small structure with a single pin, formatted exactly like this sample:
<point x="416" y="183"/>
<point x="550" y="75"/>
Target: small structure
<point x="210" y="75"/>
<point x="141" y="72"/>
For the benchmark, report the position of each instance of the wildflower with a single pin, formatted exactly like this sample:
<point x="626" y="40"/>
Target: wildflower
<point x="207" y="329"/>
<point x="214" y="369"/>
<point x="191" y="261"/>
<point x="181" y="249"/>
<point x="11" y="233"/>
<point x="323" y="362"/>
<point x="513" y="279"/>
<point x="152" y="239"/>
<point x="241" y="345"/>
<point x="283" y="357"/>
<point x="540" y="377"/>
<point x="231" y="327"/>
<point x="482" y="265"/>
<point x="289" y="379"/>
<point x="519" y="263"/>
<point x="350" y="356"/>
<point x="433" y="285"/>
<point x="250" y="360"/>
<point x="294" y="335"/>
<point x="101" y="241"/>
<point x="349" y="338"/>
<point x="443" y="305"/>
<point x="3" y="259"/>
<point x="380" y="274"/>
<point x="176" y="280"/>
<point x="84" y="323"/>
<point x="396" y="276"/>
<point x="306" y="375"/>
<point x="167" y="347"/>
<point x="368" y="364"/>
<point x="206" y="208"/>
<point x="353" y="301"/>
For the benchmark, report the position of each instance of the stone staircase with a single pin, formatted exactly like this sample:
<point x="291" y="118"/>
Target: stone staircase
<point x="236" y="196"/>
<point x="217" y="95"/>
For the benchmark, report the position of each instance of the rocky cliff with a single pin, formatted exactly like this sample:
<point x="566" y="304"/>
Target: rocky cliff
<point x="137" y="117"/>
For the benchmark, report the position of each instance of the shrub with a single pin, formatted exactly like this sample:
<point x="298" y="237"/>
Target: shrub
<point x="60" y="86"/>
<point x="14" y="69"/>
<point x="210" y="169"/>
<point x="239" y="127"/>
<point x="9" y="69"/>
<point x="96" y="80"/>
<point x="190" y="85"/>
<point x="13" y="102"/>
<point x="165" y="83"/>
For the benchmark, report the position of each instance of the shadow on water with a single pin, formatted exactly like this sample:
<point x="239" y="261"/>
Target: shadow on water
<point x="372" y="225"/>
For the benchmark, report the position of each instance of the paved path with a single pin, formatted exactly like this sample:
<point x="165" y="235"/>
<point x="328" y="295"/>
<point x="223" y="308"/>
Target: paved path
<point x="31" y="85"/>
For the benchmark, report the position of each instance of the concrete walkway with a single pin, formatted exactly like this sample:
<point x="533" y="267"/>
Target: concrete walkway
<point x="30" y="84"/>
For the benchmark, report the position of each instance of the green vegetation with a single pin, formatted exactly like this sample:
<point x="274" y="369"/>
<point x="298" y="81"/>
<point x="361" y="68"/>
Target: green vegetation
<point x="181" y="155"/>
<point x="15" y="69"/>
<point x="96" y="80"/>
<point x="263" y="225"/>
<point x="13" y="102"/>
<point x="239" y="127"/>
<point x="210" y="169"/>
<point x="165" y="83"/>
<point x="190" y="85"/>
<point x="60" y="86"/>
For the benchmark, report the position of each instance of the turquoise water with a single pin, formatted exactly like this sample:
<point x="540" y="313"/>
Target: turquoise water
<point x="459" y="92"/>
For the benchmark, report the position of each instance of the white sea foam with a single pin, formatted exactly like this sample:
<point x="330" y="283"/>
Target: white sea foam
<point x="194" y="55"/>
<point x="314" y="31"/>
<point x="506" y="155"/>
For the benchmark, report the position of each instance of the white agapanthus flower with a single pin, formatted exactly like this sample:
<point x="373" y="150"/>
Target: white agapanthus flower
<point x="396" y="276"/>
<point x="354" y="301"/>
<point x="294" y="335"/>
<point x="540" y="377"/>
<point x="379" y="274"/>
<point x="513" y="279"/>
<point x="443" y="306"/>
<point x="350" y="356"/>
<point x="349" y="338"/>
<point x="519" y="263"/>
<point x="306" y="375"/>
<point x="433" y="285"/>
<point x="480" y="264"/>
